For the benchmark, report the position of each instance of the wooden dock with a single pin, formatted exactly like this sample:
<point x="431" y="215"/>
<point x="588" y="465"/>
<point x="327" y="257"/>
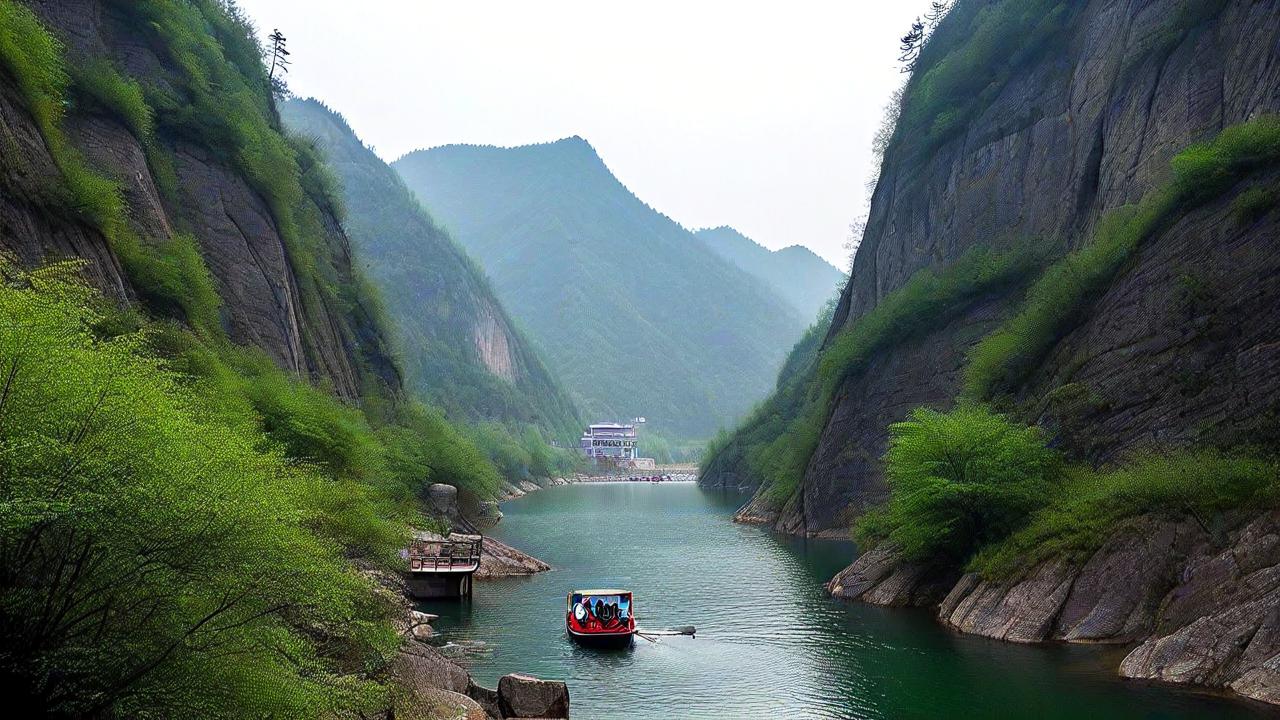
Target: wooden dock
<point x="441" y="568"/>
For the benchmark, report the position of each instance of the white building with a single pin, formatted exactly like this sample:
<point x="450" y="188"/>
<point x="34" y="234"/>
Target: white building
<point x="610" y="440"/>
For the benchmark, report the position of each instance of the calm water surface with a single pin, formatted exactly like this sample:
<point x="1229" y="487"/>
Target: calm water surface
<point x="769" y="644"/>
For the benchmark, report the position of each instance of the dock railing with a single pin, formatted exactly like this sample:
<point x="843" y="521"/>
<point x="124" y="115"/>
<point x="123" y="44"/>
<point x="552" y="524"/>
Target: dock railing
<point x="453" y="554"/>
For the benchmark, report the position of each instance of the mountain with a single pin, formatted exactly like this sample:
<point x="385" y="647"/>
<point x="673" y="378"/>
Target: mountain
<point x="459" y="348"/>
<point x="1047" y="401"/>
<point x="634" y="314"/>
<point x="802" y="278"/>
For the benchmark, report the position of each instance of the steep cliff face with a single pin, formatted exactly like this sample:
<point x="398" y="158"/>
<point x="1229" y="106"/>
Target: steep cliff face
<point x="1085" y="116"/>
<point x="1085" y="126"/>
<point x="299" y="310"/>
<point x="460" y="348"/>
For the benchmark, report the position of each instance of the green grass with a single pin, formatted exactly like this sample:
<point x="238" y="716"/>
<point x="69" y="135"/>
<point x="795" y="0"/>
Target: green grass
<point x="33" y="57"/>
<point x="925" y="302"/>
<point x="1089" y="505"/>
<point x="97" y="84"/>
<point x="172" y="279"/>
<point x="1061" y="297"/>
<point x="1255" y="202"/>
<point x="957" y="481"/>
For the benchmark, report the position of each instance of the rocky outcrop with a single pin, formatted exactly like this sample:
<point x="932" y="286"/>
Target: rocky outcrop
<point x="1071" y="135"/>
<point x="1204" y="607"/>
<point x="260" y="283"/>
<point x="1220" y="624"/>
<point x="430" y="686"/>
<point x="523" y="696"/>
<point x="497" y="559"/>
<point x="880" y="577"/>
<point x="501" y="560"/>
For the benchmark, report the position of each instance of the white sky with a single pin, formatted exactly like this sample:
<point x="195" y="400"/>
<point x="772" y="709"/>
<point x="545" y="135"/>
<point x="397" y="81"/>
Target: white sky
<point x="716" y="112"/>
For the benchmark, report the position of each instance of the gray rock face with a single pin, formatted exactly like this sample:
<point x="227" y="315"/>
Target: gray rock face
<point x="237" y="235"/>
<point x="501" y="560"/>
<point x="523" y="696"/>
<point x="1204" y="611"/>
<point x="1220" y="625"/>
<point x="879" y="577"/>
<point x="442" y="500"/>
<point x="1070" y="137"/>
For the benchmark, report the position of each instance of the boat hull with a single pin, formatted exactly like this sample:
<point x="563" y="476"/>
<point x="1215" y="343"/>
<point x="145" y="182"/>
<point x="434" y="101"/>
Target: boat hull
<point x="602" y="640"/>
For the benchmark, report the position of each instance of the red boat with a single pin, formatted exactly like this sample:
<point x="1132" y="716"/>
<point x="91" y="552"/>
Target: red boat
<point x="600" y="618"/>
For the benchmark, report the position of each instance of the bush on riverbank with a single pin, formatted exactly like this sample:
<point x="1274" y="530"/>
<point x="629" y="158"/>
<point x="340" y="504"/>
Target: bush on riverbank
<point x="971" y="488"/>
<point x="958" y="481"/>
<point x="1089" y="504"/>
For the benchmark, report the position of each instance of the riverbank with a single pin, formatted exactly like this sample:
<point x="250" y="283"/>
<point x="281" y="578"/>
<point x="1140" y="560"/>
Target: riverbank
<point x="679" y="551"/>
<point x="1195" y="608"/>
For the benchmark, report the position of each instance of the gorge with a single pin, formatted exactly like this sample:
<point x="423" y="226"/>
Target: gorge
<point x="1020" y="460"/>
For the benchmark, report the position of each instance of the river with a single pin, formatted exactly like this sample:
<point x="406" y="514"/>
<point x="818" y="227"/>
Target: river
<point x="769" y="643"/>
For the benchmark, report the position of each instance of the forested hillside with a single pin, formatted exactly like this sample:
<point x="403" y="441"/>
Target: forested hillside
<point x="458" y="346"/>
<point x="204" y="433"/>
<point x="795" y="272"/>
<point x="1047" y="402"/>
<point x="634" y="314"/>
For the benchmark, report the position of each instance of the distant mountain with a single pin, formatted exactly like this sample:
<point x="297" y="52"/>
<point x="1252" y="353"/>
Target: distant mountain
<point x="636" y="315"/>
<point x="796" y="273"/>
<point x="459" y="348"/>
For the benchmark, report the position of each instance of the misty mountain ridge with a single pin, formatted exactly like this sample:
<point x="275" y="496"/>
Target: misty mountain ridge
<point x="634" y="313"/>
<point x="795" y="272"/>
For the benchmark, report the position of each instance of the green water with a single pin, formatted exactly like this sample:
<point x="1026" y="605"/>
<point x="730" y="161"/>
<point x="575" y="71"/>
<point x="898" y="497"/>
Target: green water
<point x="769" y="644"/>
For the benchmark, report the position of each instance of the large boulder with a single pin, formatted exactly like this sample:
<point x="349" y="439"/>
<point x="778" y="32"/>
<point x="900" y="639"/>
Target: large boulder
<point x="880" y="577"/>
<point x="442" y="501"/>
<point x="420" y="667"/>
<point x="524" y="696"/>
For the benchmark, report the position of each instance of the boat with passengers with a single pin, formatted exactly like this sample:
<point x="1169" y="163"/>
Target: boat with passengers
<point x="601" y="618"/>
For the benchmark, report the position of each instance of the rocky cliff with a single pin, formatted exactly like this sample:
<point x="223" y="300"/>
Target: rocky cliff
<point x="283" y="283"/>
<point x="1031" y="130"/>
<point x="1070" y="132"/>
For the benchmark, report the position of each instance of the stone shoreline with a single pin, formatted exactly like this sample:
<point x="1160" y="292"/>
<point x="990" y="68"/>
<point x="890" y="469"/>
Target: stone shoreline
<point x="1196" y="608"/>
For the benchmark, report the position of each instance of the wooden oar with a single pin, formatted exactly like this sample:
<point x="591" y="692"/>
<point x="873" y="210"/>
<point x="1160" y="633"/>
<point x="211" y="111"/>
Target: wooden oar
<point x="649" y="634"/>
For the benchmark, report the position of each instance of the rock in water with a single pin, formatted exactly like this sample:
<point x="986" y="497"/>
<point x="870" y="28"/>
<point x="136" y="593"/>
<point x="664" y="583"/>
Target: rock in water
<point x="523" y="696"/>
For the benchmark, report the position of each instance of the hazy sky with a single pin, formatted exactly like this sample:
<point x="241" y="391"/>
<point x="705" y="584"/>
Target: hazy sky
<point x="750" y="114"/>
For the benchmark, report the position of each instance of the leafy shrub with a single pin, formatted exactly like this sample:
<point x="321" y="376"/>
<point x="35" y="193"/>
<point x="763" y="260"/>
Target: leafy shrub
<point x="159" y="562"/>
<point x="172" y="279"/>
<point x="1090" y="504"/>
<point x="97" y="82"/>
<point x="1057" y="301"/>
<point x="959" y="480"/>
<point x="1254" y="203"/>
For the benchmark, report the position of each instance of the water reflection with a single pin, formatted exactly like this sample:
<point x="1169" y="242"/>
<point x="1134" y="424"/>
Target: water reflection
<point x="769" y="643"/>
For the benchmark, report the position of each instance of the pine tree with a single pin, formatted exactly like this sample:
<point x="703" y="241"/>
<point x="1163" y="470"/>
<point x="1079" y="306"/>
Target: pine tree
<point x="911" y="43"/>
<point x="279" y="60"/>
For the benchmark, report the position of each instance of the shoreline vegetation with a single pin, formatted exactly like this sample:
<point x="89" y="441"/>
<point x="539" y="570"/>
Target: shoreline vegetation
<point x="189" y="528"/>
